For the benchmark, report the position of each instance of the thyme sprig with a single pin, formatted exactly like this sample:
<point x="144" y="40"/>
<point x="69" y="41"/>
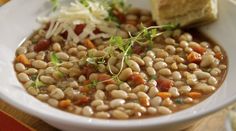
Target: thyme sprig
<point x="146" y="34"/>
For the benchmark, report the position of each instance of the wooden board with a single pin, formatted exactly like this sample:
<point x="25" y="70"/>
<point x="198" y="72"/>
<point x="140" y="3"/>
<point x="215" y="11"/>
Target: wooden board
<point x="214" y="122"/>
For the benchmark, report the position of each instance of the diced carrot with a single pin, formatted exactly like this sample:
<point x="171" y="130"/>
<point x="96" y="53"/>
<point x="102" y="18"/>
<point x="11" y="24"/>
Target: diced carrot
<point x="84" y="89"/>
<point x="164" y="84"/>
<point x="86" y="82"/>
<point x="194" y="57"/>
<point x="164" y="95"/>
<point x="136" y="79"/>
<point x="195" y="95"/>
<point x="144" y="101"/>
<point x="83" y="100"/>
<point x="89" y="44"/>
<point x="64" y="103"/>
<point x="106" y="78"/>
<point x="199" y="49"/>
<point x="219" y="55"/>
<point x="23" y="59"/>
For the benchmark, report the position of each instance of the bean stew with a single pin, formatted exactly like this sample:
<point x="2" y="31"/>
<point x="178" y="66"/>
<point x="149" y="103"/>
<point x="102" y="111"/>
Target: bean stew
<point x="139" y="70"/>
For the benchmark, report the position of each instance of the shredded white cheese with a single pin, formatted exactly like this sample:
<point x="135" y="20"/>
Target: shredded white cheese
<point x="92" y="16"/>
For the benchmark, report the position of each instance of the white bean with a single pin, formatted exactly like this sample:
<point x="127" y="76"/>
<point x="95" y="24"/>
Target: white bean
<point x="119" y="114"/>
<point x="116" y="103"/>
<point x="167" y="102"/>
<point x="212" y="81"/>
<point x="170" y="49"/>
<point x="215" y="72"/>
<point x="222" y="67"/>
<point x="148" y="61"/>
<point x="151" y="54"/>
<point x="174" y="91"/>
<point x="184" y="89"/>
<point x="39" y="64"/>
<point x="103" y="115"/>
<point x="207" y="60"/>
<point x="163" y="110"/>
<point x="192" y="66"/>
<point x="138" y="60"/>
<point x="156" y="101"/>
<point x="62" y="56"/>
<point x="151" y="71"/>
<point x="141" y="87"/>
<point x="176" y="75"/>
<point x="153" y="91"/>
<point x="47" y="80"/>
<point x="125" y="74"/>
<point x="133" y="65"/>
<point x="99" y="95"/>
<point x="53" y="102"/>
<point x="87" y="111"/>
<point x="97" y="102"/>
<point x="102" y="108"/>
<point x="174" y="66"/>
<point x="160" y="65"/>
<point x="33" y="91"/>
<point x="169" y="60"/>
<point x="20" y="67"/>
<point x="165" y="72"/>
<point x="111" y="87"/>
<point x="43" y="97"/>
<point x="119" y="94"/>
<point x="125" y="87"/>
<point x="151" y="110"/>
<point x="201" y="74"/>
<point x="57" y="94"/>
<point x="23" y="77"/>
<point x="183" y="44"/>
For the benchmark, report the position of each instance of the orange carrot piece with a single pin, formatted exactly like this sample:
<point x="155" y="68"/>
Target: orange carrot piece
<point x="64" y="103"/>
<point x="219" y="55"/>
<point x="144" y="101"/>
<point x="194" y="57"/>
<point x="195" y="95"/>
<point x="199" y="49"/>
<point x="106" y="78"/>
<point x="89" y="44"/>
<point x="164" y="95"/>
<point x="23" y="59"/>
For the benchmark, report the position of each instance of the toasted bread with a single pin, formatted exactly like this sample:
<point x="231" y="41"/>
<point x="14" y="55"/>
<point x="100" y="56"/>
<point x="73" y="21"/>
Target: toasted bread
<point x="184" y="12"/>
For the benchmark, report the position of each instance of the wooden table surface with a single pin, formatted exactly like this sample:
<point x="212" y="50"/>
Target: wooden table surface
<point x="214" y="122"/>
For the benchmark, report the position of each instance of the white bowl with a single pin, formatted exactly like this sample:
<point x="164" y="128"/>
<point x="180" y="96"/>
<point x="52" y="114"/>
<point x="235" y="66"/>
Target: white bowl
<point x="18" y="20"/>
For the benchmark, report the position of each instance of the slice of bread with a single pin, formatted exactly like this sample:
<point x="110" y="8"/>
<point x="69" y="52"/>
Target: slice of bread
<point x="184" y="12"/>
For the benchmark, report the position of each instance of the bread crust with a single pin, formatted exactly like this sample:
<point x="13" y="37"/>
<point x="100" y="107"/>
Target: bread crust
<point x="184" y="12"/>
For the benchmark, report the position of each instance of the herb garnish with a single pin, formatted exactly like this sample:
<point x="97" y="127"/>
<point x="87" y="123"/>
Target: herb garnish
<point x="146" y="34"/>
<point x="55" y="4"/>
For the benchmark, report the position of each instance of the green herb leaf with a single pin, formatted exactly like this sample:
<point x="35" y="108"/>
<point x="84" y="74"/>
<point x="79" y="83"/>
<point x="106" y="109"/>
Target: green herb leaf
<point x="91" y="60"/>
<point x="54" y="59"/>
<point x="37" y="83"/>
<point x="84" y="2"/>
<point x="170" y="26"/>
<point x="93" y="84"/>
<point x="55" y="4"/>
<point x="178" y="100"/>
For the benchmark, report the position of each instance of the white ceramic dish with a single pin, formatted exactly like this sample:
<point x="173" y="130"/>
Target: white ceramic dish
<point x="18" y="20"/>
